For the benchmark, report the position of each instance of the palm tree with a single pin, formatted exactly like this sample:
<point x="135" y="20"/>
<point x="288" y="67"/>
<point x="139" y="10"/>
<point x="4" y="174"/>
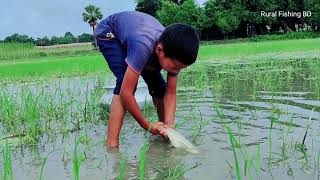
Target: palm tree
<point x="91" y="15"/>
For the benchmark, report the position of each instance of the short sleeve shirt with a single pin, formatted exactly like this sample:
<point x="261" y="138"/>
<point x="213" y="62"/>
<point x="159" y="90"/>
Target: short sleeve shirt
<point x="138" y="33"/>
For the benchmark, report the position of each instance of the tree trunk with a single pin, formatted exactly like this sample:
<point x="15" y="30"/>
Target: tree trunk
<point x="242" y="30"/>
<point x="275" y="27"/>
<point x="287" y="28"/>
<point x="94" y="37"/>
<point x="314" y="27"/>
<point x="261" y="29"/>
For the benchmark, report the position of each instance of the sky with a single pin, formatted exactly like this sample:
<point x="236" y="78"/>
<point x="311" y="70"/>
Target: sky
<point x="39" y="18"/>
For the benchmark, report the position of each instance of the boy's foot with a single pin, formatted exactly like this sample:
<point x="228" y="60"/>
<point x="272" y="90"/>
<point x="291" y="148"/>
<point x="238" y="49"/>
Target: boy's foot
<point x="112" y="144"/>
<point x="112" y="149"/>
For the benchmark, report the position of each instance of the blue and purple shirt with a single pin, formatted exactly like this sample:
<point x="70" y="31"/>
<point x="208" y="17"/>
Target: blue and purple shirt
<point x="138" y="33"/>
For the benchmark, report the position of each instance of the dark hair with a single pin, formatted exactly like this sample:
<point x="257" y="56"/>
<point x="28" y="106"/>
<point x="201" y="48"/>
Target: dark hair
<point x="181" y="42"/>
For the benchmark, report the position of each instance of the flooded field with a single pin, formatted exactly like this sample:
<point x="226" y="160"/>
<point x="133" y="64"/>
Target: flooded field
<point x="256" y="120"/>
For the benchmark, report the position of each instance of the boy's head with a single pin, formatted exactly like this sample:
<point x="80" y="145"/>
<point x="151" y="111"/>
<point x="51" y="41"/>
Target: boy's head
<point x="177" y="47"/>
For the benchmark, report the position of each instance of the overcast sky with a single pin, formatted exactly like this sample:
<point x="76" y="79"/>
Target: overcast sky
<point x="38" y="18"/>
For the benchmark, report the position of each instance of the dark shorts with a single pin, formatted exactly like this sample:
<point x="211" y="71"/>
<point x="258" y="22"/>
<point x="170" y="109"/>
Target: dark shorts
<point x="115" y="55"/>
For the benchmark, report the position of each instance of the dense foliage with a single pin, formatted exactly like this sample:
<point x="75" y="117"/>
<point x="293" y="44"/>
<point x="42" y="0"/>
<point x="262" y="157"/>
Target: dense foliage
<point x="217" y="19"/>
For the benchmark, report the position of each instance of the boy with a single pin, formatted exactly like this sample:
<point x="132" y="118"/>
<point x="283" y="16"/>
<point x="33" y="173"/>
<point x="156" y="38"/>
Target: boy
<point x="134" y="44"/>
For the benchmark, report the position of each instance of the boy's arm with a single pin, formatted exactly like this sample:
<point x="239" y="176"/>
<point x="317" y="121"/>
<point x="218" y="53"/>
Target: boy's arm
<point x="128" y="86"/>
<point x="170" y="100"/>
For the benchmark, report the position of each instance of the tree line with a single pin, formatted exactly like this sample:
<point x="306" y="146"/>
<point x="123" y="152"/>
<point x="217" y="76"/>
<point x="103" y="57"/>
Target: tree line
<point x="218" y="19"/>
<point x="90" y="15"/>
<point x="46" y="41"/>
<point x="215" y="19"/>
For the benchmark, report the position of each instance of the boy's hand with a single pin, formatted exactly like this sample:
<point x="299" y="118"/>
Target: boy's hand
<point x="163" y="131"/>
<point x="170" y="126"/>
<point x="159" y="128"/>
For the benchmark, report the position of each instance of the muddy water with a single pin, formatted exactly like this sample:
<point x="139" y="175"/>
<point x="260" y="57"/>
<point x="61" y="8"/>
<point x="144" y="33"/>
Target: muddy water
<point x="247" y="107"/>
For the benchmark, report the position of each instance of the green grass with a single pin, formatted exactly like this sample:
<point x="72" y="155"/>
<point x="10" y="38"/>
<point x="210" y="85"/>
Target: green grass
<point x="29" y="115"/>
<point x="143" y="152"/>
<point x="267" y="37"/>
<point x="76" y="159"/>
<point x="233" y="144"/>
<point x="52" y="67"/>
<point x="14" y="50"/>
<point x="290" y="35"/>
<point x="59" y="66"/>
<point x="249" y="163"/>
<point x="44" y="163"/>
<point x="10" y="51"/>
<point x="123" y="166"/>
<point x="175" y="172"/>
<point x="273" y="120"/>
<point x="7" y="167"/>
<point x="251" y="48"/>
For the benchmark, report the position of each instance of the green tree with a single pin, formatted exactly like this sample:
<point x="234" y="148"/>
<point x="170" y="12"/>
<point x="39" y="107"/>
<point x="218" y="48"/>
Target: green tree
<point x="314" y="7"/>
<point x="167" y="13"/>
<point x="69" y="38"/>
<point x="45" y="41"/>
<point x="178" y="2"/>
<point x="84" y="37"/>
<point x="19" y="38"/>
<point x="55" y="40"/>
<point x="188" y="12"/>
<point x="288" y="23"/>
<point x="91" y="15"/>
<point x="255" y="19"/>
<point x="226" y="15"/>
<point x="148" y="6"/>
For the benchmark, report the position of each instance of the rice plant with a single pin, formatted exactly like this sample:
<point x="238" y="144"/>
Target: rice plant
<point x="7" y="167"/>
<point x="143" y="152"/>
<point x="123" y="166"/>
<point x="77" y="159"/>
<point x="44" y="163"/>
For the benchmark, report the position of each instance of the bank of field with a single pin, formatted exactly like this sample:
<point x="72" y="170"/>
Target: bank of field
<point x="23" y="61"/>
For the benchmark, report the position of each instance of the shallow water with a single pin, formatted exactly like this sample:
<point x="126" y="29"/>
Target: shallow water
<point x="218" y="98"/>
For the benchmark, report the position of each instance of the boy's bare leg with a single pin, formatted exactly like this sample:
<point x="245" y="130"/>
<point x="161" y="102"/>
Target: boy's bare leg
<point x="116" y="116"/>
<point x="158" y="102"/>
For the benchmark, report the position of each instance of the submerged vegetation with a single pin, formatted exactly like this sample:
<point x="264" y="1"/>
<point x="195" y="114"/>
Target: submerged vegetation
<point x="249" y="118"/>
